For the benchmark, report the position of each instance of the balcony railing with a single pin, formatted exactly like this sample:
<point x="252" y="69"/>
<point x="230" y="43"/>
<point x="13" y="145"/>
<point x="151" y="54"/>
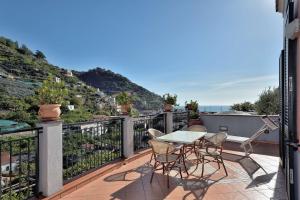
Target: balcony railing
<point x="89" y="146"/>
<point x="140" y="127"/>
<point x="180" y="120"/>
<point x="19" y="164"/>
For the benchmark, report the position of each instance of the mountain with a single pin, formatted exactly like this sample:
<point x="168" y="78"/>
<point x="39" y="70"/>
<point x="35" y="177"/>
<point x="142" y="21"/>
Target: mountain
<point x="22" y="72"/>
<point x="112" y="83"/>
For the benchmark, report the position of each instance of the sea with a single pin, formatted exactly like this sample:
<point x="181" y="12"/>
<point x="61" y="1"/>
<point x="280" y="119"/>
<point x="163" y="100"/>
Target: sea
<point x="210" y="108"/>
<point x="214" y="108"/>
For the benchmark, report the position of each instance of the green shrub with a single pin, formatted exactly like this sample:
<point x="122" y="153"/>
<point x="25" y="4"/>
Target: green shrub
<point x="134" y="112"/>
<point x="245" y="107"/>
<point x="52" y="92"/>
<point x="268" y="102"/>
<point x="193" y="105"/>
<point x="170" y="99"/>
<point x="74" y="116"/>
<point x="124" y="98"/>
<point x="39" y="55"/>
<point x="194" y="115"/>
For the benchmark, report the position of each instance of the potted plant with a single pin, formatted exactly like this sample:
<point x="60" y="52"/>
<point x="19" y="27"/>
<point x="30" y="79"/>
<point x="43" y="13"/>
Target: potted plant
<point x="192" y="106"/>
<point x="169" y="101"/>
<point x="51" y="96"/>
<point x="188" y="106"/>
<point x="194" y="115"/>
<point x="124" y="100"/>
<point x="194" y="119"/>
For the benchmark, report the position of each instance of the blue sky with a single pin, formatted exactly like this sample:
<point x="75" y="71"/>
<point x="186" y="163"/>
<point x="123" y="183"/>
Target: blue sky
<point x="217" y="52"/>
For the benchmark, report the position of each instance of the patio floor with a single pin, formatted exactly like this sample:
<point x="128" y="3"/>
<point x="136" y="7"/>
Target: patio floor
<point x="246" y="180"/>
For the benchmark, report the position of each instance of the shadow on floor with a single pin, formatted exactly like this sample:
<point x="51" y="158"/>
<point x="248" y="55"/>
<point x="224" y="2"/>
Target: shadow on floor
<point x="126" y="176"/>
<point x="274" y="181"/>
<point x="195" y="187"/>
<point x="261" y="180"/>
<point x="248" y="163"/>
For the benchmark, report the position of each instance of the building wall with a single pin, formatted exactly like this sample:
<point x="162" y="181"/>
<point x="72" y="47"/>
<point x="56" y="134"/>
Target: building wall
<point x="239" y="125"/>
<point x="297" y="153"/>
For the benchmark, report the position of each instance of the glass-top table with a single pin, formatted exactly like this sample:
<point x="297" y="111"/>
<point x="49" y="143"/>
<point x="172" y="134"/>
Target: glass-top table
<point x="182" y="137"/>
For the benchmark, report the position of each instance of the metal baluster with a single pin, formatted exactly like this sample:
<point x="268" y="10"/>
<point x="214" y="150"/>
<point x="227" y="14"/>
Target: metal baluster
<point x="10" y="172"/>
<point x="28" y="166"/>
<point x="20" y="168"/>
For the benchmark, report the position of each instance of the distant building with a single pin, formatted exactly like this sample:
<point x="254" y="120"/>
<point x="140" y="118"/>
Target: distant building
<point x="71" y="107"/>
<point x="10" y="77"/>
<point x="8" y="125"/>
<point x="57" y="80"/>
<point x="6" y="166"/>
<point x="69" y="73"/>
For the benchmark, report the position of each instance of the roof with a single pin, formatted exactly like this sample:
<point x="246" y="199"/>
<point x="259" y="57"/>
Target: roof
<point x="8" y="125"/>
<point x="5" y="158"/>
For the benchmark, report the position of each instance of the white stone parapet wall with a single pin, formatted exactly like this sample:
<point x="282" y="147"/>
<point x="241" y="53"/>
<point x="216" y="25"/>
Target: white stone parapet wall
<point x="239" y="125"/>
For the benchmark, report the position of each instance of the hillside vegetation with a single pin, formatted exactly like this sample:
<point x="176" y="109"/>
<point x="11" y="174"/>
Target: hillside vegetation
<point x="22" y="72"/>
<point x="112" y="83"/>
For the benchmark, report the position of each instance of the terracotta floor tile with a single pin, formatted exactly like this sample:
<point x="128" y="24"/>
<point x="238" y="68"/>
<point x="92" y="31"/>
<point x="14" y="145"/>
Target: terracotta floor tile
<point x="254" y="195"/>
<point x="235" y="196"/>
<point x="132" y="182"/>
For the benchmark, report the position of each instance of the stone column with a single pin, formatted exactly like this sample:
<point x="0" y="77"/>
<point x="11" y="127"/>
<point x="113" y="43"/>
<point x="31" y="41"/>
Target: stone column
<point x="128" y="143"/>
<point x="169" y="122"/>
<point x="50" y="158"/>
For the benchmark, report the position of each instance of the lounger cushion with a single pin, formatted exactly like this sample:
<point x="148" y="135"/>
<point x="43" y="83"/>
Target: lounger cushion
<point x="238" y="139"/>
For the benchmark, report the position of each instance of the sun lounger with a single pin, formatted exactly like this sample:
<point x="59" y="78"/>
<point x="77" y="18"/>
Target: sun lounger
<point x="268" y="126"/>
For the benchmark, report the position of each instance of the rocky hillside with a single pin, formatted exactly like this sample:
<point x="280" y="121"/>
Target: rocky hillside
<point x="112" y="83"/>
<point x="22" y="72"/>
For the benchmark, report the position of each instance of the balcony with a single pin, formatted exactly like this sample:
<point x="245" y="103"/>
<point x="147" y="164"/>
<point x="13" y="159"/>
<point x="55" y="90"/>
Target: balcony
<point x="92" y="164"/>
<point x="256" y="177"/>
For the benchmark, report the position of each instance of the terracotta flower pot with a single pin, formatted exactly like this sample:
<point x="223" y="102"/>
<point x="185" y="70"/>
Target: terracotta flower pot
<point x="195" y="122"/>
<point x="125" y="109"/>
<point x="168" y="107"/>
<point x="49" y="112"/>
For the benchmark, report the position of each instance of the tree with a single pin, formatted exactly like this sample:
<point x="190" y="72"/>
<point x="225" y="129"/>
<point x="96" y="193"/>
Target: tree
<point x="268" y="103"/>
<point x="24" y="50"/>
<point x="245" y="107"/>
<point x="39" y="55"/>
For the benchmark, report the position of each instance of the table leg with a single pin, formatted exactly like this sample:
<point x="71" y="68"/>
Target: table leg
<point x="183" y="160"/>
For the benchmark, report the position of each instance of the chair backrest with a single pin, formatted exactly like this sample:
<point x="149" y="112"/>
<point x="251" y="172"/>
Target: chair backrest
<point x="197" y="128"/>
<point x="218" y="139"/>
<point x="154" y="133"/>
<point x="161" y="148"/>
<point x="269" y="123"/>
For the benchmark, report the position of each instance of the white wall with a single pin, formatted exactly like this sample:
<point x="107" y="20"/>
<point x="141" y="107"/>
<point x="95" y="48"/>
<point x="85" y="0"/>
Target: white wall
<point x="239" y="125"/>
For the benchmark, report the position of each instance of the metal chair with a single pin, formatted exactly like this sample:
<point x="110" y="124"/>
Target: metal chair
<point x="165" y="156"/>
<point x="154" y="133"/>
<point x="213" y="148"/>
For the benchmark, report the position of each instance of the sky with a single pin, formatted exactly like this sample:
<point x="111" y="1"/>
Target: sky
<point x="217" y="52"/>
